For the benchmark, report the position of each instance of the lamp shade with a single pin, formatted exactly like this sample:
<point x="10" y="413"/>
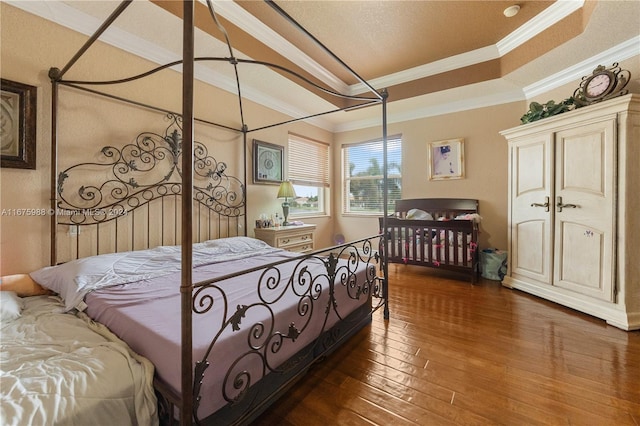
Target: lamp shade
<point x="286" y="190"/>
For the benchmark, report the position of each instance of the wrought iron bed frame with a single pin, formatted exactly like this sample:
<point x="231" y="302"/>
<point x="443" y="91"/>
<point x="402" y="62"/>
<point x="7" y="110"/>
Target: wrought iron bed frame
<point x="216" y="195"/>
<point x="142" y="173"/>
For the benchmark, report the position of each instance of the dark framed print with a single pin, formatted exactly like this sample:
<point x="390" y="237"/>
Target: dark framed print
<point x="18" y="125"/>
<point x="267" y="162"/>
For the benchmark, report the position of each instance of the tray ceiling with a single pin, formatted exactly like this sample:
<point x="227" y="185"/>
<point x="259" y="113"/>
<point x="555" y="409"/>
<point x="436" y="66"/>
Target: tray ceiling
<point x="431" y="56"/>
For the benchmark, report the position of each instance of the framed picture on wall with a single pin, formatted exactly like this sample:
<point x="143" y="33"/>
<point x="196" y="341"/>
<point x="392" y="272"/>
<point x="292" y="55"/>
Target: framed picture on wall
<point x="18" y="117"/>
<point x="446" y="159"/>
<point x="267" y="162"/>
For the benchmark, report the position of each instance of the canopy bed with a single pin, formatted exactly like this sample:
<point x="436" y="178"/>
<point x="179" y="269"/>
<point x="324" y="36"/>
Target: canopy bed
<point x="152" y="236"/>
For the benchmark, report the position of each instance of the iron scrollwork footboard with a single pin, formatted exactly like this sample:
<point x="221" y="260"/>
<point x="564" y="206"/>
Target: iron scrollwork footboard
<point x="332" y="294"/>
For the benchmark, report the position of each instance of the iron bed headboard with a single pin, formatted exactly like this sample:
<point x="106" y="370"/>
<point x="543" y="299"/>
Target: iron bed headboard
<point x="148" y="173"/>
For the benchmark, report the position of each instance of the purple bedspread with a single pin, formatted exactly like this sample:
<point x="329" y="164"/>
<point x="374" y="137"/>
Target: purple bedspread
<point x="146" y="315"/>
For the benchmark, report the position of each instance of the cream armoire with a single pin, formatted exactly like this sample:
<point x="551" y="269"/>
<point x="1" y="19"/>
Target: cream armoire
<point x="574" y="210"/>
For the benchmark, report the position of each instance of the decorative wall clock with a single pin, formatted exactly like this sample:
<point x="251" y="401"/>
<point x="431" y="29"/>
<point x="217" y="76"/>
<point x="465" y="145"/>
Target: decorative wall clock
<point x="603" y="83"/>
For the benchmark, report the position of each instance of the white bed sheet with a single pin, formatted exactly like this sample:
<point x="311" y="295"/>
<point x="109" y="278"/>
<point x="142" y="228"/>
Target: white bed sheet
<point x="75" y="279"/>
<point x="60" y="368"/>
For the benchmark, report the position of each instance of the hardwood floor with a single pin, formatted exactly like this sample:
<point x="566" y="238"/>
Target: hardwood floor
<point x="457" y="354"/>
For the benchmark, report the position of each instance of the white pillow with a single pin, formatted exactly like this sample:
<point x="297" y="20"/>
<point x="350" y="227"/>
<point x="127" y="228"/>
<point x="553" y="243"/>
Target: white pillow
<point x="417" y="214"/>
<point x="75" y="279"/>
<point x="10" y="306"/>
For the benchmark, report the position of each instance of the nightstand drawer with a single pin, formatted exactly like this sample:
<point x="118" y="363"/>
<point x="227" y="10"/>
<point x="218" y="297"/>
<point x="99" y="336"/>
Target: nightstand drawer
<point x="300" y="248"/>
<point x="285" y="241"/>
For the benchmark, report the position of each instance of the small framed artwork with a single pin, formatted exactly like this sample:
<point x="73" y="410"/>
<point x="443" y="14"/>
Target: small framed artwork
<point x="267" y="162"/>
<point x="18" y="131"/>
<point x="446" y="159"/>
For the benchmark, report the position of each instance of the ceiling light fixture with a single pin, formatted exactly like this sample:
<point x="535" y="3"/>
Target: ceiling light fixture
<point x="511" y="11"/>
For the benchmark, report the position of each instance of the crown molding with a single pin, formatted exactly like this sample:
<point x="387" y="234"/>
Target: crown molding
<point x="548" y="17"/>
<point x="459" y="105"/>
<point x="447" y="64"/>
<point x="545" y="19"/>
<point x="238" y="16"/>
<point x="69" y="17"/>
<point x="625" y="50"/>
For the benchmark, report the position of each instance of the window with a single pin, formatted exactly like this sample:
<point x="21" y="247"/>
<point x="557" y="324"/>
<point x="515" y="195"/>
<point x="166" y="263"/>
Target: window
<point x="363" y="173"/>
<point x="308" y="162"/>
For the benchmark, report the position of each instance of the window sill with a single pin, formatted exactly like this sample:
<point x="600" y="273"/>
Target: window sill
<point x="308" y="216"/>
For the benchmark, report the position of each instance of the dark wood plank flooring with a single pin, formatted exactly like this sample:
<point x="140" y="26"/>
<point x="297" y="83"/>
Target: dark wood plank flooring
<point x="453" y="353"/>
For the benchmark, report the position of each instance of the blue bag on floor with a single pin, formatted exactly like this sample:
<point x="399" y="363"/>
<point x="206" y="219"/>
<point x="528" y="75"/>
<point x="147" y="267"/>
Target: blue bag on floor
<point x="493" y="264"/>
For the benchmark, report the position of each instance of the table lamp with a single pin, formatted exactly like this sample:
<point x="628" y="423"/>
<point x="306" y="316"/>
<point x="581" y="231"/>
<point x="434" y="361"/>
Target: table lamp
<point x="286" y="191"/>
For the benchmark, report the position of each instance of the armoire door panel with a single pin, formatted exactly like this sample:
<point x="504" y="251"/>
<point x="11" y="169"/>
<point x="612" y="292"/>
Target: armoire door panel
<point x="531" y="187"/>
<point x="584" y="223"/>
<point x="586" y="153"/>
<point x="532" y="168"/>
<point x="582" y="263"/>
<point x="531" y="239"/>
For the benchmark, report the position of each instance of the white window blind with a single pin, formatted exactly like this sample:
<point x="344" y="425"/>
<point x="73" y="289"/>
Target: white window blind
<point x="363" y="175"/>
<point x="308" y="162"/>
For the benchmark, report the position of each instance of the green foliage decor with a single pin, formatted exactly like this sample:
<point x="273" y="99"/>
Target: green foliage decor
<point x="538" y="111"/>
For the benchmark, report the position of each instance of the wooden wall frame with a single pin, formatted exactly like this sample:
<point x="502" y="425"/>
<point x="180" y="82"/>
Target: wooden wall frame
<point x="267" y="162"/>
<point x="446" y="159"/>
<point x="18" y="115"/>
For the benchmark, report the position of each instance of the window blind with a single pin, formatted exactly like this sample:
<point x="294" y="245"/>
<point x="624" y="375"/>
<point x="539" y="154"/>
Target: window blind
<point x="308" y="162"/>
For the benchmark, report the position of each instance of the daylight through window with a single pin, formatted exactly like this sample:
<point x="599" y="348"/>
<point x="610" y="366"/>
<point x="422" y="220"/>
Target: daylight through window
<point x="362" y="172"/>
<point x="308" y="162"/>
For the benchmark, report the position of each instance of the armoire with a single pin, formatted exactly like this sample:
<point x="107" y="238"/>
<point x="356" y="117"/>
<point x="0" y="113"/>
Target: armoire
<point x="574" y="210"/>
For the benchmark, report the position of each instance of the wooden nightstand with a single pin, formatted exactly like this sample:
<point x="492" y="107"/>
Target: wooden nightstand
<point x="293" y="238"/>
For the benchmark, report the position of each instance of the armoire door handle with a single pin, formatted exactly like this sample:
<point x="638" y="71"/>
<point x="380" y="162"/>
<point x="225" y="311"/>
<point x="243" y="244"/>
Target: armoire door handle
<point x="545" y="205"/>
<point x="560" y="205"/>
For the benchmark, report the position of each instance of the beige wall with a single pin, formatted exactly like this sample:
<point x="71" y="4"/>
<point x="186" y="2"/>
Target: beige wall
<point x="485" y="166"/>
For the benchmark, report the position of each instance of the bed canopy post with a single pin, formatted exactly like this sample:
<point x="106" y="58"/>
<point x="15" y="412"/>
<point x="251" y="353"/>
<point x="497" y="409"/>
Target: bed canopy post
<point x="245" y="131"/>
<point x="385" y="197"/>
<point x="54" y="166"/>
<point x="55" y="74"/>
<point x="186" y="409"/>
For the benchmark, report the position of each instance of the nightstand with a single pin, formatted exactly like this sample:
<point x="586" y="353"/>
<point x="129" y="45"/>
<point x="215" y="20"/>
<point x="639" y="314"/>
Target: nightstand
<point x="297" y="238"/>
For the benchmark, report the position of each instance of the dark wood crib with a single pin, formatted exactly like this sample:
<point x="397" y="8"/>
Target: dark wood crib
<point x="448" y="239"/>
